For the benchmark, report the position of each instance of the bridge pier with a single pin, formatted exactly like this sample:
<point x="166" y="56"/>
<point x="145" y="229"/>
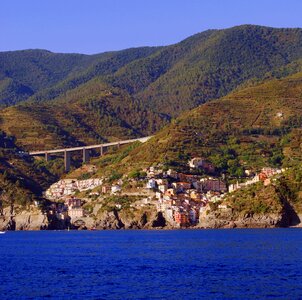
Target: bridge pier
<point x="67" y="161"/>
<point x="47" y="156"/>
<point x="86" y="155"/>
<point x="101" y="151"/>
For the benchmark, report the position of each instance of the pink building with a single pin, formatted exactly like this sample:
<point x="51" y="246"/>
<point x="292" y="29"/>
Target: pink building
<point x="215" y="185"/>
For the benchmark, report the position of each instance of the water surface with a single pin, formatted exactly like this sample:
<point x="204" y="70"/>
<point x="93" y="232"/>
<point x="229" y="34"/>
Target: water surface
<point x="176" y="264"/>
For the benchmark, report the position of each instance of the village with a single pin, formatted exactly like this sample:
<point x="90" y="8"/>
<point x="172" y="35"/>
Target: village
<point x="180" y="197"/>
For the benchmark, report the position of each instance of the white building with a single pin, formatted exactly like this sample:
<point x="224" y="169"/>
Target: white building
<point x="151" y="184"/>
<point x="169" y="214"/>
<point x="162" y="187"/>
<point x="75" y="212"/>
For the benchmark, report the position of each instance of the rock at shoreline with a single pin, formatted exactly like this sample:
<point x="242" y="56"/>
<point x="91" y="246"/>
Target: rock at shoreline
<point x="217" y="219"/>
<point x="32" y="219"/>
<point x="110" y="220"/>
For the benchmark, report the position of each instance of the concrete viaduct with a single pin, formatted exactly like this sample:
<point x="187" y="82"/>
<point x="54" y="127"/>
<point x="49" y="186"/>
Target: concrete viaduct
<point x="84" y="149"/>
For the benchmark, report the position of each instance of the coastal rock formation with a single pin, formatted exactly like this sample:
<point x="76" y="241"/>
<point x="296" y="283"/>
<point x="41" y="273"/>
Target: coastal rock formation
<point x="159" y="221"/>
<point x="32" y="219"/>
<point x="229" y="219"/>
<point x="110" y="220"/>
<point x="122" y="220"/>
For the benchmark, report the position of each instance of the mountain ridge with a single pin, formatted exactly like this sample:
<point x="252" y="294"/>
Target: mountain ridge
<point x="146" y="72"/>
<point x="156" y="83"/>
<point x="89" y="99"/>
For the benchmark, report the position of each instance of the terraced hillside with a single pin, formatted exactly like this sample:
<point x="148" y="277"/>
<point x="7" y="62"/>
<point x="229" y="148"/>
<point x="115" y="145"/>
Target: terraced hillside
<point x="91" y="113"/>
<point x="248" y="129"/>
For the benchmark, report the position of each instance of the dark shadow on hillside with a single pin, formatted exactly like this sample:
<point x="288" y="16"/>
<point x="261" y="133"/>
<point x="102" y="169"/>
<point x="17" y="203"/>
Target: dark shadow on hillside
<point x="290" y="217"/>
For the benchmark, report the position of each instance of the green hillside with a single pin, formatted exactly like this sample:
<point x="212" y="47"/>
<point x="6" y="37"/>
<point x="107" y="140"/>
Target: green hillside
<point x="22" y="179"/>
<point x="166" y="80"/>
<point x="248" y="129"/>
<point x="103" y="65"/>
<point x="92" y="113"/>
<point x="33" y="72"/>
<point x="209" y="65"/>
<point x="135" y="92"/>
<point x="219" y="64"/>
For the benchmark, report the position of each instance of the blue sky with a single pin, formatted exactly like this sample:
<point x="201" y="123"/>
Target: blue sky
<point x="93" y="26"/>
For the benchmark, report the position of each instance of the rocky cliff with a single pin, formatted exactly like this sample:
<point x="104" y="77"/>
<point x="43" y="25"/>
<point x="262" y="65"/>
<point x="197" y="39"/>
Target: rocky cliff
<point x="266" y="209"/>
<point x="144" y="219"/>
<point x="256" y="206"/>
<point x="229" y="218"/>
<point x="31" y="219"/>
<point x="226" y="219"/>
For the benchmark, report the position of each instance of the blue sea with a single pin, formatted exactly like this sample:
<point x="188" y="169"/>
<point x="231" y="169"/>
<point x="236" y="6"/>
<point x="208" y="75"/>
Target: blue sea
<point x="137" y="264"/>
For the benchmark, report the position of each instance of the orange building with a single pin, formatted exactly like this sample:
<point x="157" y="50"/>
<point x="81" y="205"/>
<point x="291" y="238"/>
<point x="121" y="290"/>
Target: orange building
<point x="181" y="218"/>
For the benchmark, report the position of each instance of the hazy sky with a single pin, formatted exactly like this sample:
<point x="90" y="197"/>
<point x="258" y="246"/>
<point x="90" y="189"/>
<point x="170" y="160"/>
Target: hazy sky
<point x="92" y="26"/>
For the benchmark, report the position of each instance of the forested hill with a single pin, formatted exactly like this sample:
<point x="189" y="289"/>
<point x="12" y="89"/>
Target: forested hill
<point x="221" y="62"/>
<point x="252" y="128"/>
<point x="72" y="99"/>
<point x="32" y="72"/>
<point x="91" y="113"/>
<point x="167" y="79"/>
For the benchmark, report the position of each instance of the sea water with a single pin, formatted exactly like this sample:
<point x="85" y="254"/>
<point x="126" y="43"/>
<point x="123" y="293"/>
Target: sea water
<point x="138" y="264"/>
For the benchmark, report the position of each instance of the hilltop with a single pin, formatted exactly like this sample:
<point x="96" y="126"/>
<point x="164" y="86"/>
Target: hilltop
<point x="31" y="73"/>
<point x="74" y="99"/>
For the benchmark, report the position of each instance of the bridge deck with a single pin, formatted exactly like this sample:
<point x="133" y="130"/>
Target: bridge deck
<point x="142" y="140"/>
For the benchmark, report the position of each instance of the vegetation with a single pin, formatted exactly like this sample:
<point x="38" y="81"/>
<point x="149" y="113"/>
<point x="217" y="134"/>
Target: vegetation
<point x="45" y="75"/>
<point x="249" y="129"/>
<point x="117" y="202"/>
<point x="255" y="199"/>
<point x="72" y="99"/>
<point x="93" y="113"/>
<point x="22" y="180"/>
<point x="134" y="92"/>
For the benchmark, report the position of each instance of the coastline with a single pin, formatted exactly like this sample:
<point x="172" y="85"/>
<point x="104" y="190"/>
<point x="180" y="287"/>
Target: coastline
<point x="35" y="219"/>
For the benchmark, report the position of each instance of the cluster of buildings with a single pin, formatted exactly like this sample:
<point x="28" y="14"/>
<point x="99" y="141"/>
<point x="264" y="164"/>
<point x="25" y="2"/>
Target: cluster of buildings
<point x="67" y="187"/>
<point x="72" y="208"/>
<point x="181" y="197"/>
<point x="265" y="176"/>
